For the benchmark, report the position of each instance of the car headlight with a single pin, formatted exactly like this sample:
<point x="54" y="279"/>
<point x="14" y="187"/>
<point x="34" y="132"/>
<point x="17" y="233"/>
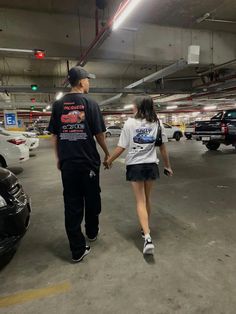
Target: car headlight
<point x="2" y="202"/>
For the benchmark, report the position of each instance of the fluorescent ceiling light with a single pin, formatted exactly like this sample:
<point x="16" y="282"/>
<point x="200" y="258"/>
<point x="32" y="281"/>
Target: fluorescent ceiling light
<point x="48" y="107"/>
<point x="210" y="107"/>
<point x="59" y="95"/>
<point x="125" y="12"/>
<point x="171" y="107"/>
<point x="128" y="106"/>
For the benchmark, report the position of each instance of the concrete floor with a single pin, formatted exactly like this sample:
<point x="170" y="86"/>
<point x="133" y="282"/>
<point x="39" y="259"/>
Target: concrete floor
<point x="193" y="225"/>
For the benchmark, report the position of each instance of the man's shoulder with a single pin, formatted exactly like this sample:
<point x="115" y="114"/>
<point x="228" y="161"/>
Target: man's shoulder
<point x="57" y="104"/>
<point x="88" y="99"/>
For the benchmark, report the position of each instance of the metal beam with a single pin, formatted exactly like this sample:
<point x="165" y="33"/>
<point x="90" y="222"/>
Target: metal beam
<point x="93" y="90"/>
<point x="171" y="69"/>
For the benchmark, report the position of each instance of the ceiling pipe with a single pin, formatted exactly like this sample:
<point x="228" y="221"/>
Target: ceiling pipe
<point x="221" y="21"/>
<point x="102" y="34"/>
<point x="217" y="67"/>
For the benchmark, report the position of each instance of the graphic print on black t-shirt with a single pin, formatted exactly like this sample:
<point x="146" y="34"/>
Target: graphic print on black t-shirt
<point x="75" y="120"/>
<point x="72" y="122"/>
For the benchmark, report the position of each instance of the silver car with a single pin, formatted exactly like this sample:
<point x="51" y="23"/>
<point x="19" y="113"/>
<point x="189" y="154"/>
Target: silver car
<point x="113" y="131"/>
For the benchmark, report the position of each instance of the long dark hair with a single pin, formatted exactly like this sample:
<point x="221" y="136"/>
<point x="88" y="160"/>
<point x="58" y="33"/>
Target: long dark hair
<point x="145" y="109"/>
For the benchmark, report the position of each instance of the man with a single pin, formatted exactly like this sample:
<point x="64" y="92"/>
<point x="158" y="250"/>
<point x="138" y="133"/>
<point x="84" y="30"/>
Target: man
<point x="75" y="121"/>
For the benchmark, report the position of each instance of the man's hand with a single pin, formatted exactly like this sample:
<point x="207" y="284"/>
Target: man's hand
<point x="106" y="158"/>
<point x="105" y="163"/>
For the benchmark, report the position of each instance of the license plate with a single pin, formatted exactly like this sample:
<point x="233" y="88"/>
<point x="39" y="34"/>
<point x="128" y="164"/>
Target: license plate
<point x="206" y="138"/>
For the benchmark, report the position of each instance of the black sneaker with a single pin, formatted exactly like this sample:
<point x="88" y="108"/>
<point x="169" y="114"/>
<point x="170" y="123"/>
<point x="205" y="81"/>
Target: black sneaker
<point x="95" y="238"/>
<point x="76" y="258"/>
<point x="148" y="247"/>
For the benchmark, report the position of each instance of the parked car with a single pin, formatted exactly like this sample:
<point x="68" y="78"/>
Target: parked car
<point x="15" y="212"/>
<point x="173" y="132"/>
<point x="113" y="131"/>
<point x="13" y="149"/>
<point x="32" y="141"/>
<point x="221" y="129"/>
<point x="189" y="130"/>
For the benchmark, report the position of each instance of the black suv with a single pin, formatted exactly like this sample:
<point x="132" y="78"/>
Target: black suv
<point x="14" y="213"/>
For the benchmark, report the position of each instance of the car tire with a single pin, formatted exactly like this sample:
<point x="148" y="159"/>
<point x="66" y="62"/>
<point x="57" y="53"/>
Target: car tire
<point x="189" y="136"/>
<point x="3" y="163"/>
<point x="108" y="134"/>
<point x="212" y="146"/>
<point x="177" y="136"/>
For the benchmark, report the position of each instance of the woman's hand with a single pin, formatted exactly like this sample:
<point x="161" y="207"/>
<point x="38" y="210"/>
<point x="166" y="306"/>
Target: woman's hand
<point x="170" y="171"/>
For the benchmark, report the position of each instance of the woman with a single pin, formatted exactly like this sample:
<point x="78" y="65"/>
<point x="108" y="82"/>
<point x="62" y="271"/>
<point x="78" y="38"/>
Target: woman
<point x="138" y="136"/>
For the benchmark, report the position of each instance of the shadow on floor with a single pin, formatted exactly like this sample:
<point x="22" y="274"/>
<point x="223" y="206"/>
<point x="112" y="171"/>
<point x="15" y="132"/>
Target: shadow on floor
<point x="60" y="249"/>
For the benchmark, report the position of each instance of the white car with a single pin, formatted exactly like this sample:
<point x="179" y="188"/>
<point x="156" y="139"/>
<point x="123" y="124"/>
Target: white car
<point x="13" y="149"/>
<point x="189" y="131"/>
<point x="32" y="141"/>
<point x="113" y="131"/>
<point x="173" y="132"/>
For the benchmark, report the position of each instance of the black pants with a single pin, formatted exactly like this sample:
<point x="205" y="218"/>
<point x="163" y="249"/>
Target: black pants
<point x="81" y="194"/>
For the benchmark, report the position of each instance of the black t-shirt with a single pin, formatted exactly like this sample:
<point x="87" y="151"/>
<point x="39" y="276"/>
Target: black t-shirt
<point x="75" y="120"/>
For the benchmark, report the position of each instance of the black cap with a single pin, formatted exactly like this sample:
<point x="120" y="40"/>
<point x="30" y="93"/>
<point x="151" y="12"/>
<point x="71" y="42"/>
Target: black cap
<point x="78" y="73"/>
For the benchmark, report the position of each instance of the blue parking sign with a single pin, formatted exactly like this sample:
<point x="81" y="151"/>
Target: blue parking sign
<point x="10" y="119"/>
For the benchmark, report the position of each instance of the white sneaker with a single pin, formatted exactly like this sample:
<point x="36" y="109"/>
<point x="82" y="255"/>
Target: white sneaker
<point x="148" y="248"/>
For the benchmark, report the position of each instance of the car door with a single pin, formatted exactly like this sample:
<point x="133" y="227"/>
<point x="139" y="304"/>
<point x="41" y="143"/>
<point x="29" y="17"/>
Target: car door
<point x="168" y="130"/>
<point x="230" y="120"/>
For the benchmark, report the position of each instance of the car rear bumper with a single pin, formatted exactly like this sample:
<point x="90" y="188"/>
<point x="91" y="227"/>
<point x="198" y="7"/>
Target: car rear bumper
<point x="209" y="137"/>
<point x="14" y="222"/>
<point x="24" y="153"/>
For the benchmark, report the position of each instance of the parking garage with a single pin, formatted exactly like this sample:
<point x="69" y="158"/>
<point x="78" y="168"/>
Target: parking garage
<point x="182" y="55"/>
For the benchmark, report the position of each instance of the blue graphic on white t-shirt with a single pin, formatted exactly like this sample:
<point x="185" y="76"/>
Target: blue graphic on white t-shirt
<point x="142" y="138"/>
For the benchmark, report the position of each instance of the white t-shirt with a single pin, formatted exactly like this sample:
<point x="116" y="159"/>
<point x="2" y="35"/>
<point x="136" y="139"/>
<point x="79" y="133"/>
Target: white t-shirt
<point x="139" y="137"/>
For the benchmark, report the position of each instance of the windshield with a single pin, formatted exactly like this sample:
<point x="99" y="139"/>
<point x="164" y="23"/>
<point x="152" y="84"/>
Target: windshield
<point x="218" y="116"/>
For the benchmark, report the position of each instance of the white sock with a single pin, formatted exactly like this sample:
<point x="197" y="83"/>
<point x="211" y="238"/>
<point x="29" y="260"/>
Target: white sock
<point x="147" y="236"/>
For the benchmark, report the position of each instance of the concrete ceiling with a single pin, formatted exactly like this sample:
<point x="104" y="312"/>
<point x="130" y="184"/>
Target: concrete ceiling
<point x="162" y="32"/>
<point x="180" y="13"/>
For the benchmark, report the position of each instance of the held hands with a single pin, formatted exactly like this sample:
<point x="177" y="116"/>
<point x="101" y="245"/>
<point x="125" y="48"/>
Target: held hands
<point x="107" y="162"/>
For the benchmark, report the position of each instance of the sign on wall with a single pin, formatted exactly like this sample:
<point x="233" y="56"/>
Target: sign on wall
<point x="10" y="119"/>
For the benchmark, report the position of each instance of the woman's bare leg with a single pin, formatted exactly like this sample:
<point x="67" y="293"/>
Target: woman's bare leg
<point x="139" y="191"/>
<point x="148" y="185"/>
